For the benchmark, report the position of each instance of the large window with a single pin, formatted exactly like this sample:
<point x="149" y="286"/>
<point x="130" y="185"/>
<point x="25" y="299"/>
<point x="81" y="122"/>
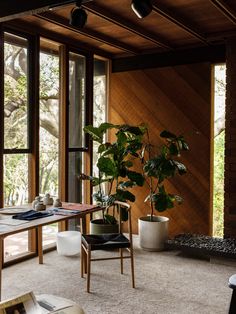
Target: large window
<point x="49" y="111"/>
<point x="16" y="135"/>
<point x="16" y="117"/>
<point x="49" y="120"/>
<point x="99" y="92"/>
<point x="99" y="107"/>
<point x="219" y="144"/>
<point x="77" y="70"/>
<point x="47" y="103"/>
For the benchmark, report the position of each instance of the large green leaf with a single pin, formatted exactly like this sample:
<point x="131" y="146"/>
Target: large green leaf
<point x="133" y="146"/>
<point x="106" y="126"/>
<point x="168" y="135"/>
<point x="111" y="149"/>
<point x="94" y="132"/>
<point x="121" y="138"/>
<point x="151" y="167"/>
<point x="167" y="169"/>
<point x="185" y="145"/>
<point x="97" y="133"/>
<point x="110" y="219"/>
<point x="124" y="215"/>
<point x="163" y="201"/>
<point x="106" y="165"/>
<point x="124" y="195"/>
<point x="135" y="130"/>
<point x="136" y="177"/>
<point x="180" y="167"/>
<point x="103" y="147"/>
<point x="128" y="163"/>
<point x="174" y="149"/>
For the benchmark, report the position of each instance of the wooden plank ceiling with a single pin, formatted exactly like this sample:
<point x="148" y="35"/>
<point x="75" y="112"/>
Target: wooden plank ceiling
<point x="113" y="29"/>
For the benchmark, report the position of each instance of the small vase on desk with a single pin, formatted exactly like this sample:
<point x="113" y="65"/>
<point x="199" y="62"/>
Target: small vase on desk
<point x="35" y="202"/>
<point x="40" y="206"/>
<point x="57" y="203"/>
<point x="47" y="200"/>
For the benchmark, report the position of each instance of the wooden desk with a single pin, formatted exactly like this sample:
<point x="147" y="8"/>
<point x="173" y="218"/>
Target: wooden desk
<point x="83" y="210"/>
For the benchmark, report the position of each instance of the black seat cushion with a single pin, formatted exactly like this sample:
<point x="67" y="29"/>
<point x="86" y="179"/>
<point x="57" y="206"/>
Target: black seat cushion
<point x="105" y="241"/>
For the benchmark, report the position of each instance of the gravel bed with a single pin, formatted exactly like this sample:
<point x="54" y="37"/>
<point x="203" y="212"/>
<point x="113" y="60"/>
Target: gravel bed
<point x="204" y="244"/>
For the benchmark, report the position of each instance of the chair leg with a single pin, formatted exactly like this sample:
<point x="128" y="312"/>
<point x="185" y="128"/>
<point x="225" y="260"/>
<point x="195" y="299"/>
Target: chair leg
<point x="82" y="261"/>
<point x="132" y="267"/>
<point x="232" y="308"/>
<point x="121" y="262"/>
<point x="88" y="269"/>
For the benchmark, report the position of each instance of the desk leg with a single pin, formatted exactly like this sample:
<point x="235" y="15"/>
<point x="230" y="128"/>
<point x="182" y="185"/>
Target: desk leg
<point x="83" y="225"/>
<point x="83" y="230"/>
<point x="40" y="243"/>
<point x="1" y="264"/>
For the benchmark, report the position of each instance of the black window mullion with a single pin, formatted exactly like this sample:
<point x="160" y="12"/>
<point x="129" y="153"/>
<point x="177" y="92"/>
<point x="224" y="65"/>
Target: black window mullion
<point x="17" y="151"/>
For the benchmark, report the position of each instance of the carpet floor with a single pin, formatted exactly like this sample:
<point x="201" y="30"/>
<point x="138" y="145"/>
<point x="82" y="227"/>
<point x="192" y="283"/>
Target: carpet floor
<point x="166" y="283"/>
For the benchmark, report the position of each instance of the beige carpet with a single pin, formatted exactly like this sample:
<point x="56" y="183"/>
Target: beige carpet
<point x="166" y="283"/>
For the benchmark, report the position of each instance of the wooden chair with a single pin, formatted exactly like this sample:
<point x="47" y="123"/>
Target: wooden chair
<point x="109" y="241"/>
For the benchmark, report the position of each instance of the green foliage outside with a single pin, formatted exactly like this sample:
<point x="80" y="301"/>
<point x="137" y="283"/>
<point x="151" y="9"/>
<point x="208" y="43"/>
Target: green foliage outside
<point x="49" y="124"/>
<point x="16" y="123"/>
<point x="219" y="141"/>
<point x="218" y="194"/>
<point x="16" y="85"/>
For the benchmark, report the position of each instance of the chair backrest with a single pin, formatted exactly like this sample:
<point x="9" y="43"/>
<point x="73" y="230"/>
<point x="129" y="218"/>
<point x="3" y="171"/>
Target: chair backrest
<point x="120" y="205"/>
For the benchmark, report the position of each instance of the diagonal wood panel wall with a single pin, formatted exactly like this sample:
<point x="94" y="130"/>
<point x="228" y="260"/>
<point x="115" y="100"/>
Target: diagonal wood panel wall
<point x="178" y="99"/>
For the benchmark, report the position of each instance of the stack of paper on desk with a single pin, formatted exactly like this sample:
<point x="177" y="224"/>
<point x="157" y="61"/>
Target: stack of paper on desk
<point x="64" y="212"/>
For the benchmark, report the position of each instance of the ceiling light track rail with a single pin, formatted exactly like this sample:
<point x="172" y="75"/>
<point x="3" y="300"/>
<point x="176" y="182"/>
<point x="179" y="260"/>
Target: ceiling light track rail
<point x="133" y="28"/>
<point x="179" y="21"/>
<point x="225" y="9"/>
<point x="63" y="22"/>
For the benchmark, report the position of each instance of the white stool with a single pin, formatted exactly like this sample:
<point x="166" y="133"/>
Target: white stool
<point x="68" y="242"/>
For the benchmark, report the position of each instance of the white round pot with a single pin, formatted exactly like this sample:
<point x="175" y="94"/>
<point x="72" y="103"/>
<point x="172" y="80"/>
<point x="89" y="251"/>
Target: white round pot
<point x="68" y="242"/>
<point x="153" y="234"/>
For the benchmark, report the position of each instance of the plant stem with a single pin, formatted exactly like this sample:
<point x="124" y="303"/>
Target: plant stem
<point x="151" y="179"/>
<point x="100" y="193"/>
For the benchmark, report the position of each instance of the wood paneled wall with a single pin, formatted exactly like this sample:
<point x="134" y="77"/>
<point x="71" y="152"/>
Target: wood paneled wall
<point x="177" y="99"/>
<point x="230" y="142"/>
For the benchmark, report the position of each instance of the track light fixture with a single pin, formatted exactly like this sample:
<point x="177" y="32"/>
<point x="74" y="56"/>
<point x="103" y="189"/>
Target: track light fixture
<point x="78" y="15"/>
<point x="141" y="7"/>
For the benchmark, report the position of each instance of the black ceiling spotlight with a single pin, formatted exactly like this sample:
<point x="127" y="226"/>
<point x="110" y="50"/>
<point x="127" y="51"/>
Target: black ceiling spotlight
<point x="141" y="7"/>
<point x="78" y="15"/>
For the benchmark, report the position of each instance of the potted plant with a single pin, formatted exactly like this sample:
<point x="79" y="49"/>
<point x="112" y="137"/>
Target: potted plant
<point x="115" y="175"/>
<point x="159" y="164"/>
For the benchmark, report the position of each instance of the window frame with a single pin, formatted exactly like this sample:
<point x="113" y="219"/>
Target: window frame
<point x="30" y="91"/>
<point x="33" y="55"/>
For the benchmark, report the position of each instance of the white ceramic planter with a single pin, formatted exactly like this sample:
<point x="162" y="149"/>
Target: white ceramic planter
<point x="153" y="234"/>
